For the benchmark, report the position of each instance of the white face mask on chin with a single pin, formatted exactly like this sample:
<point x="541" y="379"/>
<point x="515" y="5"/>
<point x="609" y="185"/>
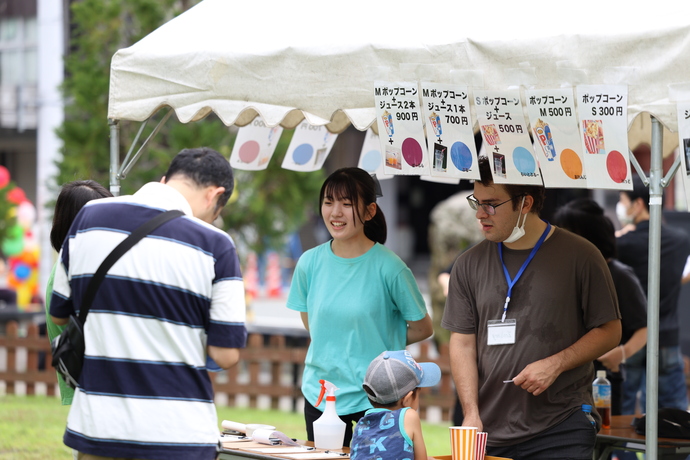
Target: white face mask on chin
<point x="622" y="214"/>
<point x="518" y="230"/>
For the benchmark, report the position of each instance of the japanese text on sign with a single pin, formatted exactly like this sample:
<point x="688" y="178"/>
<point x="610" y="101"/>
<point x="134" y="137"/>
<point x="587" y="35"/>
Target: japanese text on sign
<point x="604" y="110"/>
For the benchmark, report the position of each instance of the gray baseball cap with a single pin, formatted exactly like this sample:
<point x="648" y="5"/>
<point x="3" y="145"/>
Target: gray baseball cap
<point x="393" y="374"/>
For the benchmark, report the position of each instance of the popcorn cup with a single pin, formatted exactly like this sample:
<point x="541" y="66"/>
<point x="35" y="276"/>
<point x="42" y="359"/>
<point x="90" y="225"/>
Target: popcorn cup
<point x="463" y="441"/>
<point x="480" y="449"/>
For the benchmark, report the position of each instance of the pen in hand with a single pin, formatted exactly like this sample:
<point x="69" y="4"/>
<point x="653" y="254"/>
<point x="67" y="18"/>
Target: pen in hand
<point x="508" y="381"/>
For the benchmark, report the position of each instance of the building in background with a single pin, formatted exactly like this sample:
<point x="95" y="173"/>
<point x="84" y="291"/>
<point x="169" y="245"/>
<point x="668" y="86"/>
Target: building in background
<point x="32" y="46"/>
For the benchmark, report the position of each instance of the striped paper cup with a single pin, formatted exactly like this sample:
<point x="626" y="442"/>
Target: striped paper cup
<point x="463" y="440"/>
<point x="482" y="436"/>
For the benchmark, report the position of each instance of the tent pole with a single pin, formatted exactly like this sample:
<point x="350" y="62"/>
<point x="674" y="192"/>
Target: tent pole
<point x="114" y="156"/>
<point x="127" y="164"/>
<point x="656" y="175"/>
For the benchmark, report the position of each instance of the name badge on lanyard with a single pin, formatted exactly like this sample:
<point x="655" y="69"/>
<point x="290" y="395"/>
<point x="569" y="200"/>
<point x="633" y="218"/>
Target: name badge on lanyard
<point x="503" y="331"/>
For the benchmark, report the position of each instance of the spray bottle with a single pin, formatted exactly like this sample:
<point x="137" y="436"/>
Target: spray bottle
<point x="329" y="430"/>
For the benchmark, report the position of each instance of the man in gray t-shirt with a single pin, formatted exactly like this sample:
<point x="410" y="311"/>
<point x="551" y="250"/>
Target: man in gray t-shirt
<point x="562" y="314"/>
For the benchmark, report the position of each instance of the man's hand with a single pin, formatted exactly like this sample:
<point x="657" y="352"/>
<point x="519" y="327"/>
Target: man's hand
<point x="612" y="359"/>
<point x="535" y="378"/>
<point x="473" y="421"/>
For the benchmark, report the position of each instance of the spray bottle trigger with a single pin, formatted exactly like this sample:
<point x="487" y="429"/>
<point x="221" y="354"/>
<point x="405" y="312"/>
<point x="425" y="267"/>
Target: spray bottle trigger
<point x="323" y="392"/>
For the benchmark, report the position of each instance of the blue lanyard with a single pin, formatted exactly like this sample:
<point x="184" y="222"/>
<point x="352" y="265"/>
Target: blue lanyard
<point x="511" y="282"/>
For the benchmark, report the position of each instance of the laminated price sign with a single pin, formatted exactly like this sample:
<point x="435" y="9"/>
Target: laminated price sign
<point x="508" y="146"/>
<point x="684" y="145"/>
<point x="370" y="158"/>
<point x="557" y="142"/>
<point x="449" y="129"/>
<point x="401" y="130"/>
<point x="254" y="146"/>
<point x="309" y="148"/>
<point x="603" y="115"/>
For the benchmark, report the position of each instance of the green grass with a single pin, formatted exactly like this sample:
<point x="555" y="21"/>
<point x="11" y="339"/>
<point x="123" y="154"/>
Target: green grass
<point x="31" y="427"/>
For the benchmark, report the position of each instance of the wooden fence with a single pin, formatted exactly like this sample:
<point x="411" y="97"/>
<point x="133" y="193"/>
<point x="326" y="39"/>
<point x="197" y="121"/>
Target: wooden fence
<point x="270" y="366"/>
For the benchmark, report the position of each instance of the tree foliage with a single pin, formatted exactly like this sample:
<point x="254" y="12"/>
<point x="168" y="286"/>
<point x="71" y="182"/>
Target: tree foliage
<point x="269" y="204"/>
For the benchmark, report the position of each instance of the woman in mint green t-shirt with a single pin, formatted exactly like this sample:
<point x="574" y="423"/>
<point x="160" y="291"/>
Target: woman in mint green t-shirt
<point x="73" y="196"/>
<point x="356" y="297"/>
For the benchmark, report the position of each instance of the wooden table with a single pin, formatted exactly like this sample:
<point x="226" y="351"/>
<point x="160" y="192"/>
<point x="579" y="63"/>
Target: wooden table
<point x="237" y="454"/>
<point x="240" y="455"/>
<point x="622" y="436"/>
<point x="233" y="454"/>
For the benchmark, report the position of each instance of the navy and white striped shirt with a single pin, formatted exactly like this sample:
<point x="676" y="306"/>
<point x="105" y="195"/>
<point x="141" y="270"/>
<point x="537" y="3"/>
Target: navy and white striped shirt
<point x="145" y="390"/>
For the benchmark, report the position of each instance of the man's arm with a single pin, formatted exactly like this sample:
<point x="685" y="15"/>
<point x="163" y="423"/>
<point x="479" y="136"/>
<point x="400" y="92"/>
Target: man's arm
<point x="419" y="330"/>
<point x="613" y="359"/>
<point x="539" y="375"/>
<point x="59" y="321"/>
<point x="224" y="357"/>
<point x="463" y="366"/>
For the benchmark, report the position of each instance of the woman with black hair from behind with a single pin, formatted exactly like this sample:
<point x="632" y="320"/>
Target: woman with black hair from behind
<point x="586" y="218"/>
<point x="356" y="297"/>
<point x="73" y="196"/>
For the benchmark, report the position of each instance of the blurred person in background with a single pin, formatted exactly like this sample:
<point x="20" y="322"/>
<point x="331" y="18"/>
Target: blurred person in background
<point x="73" y="196"/>
<point x="586" y="218"/>
<point x="633" y="250"/>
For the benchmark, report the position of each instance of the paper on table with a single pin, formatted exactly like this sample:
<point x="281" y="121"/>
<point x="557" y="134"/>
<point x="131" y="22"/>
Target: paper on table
<point x="236" y="426"/>
<point x="244" y="445"/>
<point x="233" y="438"/>
<point x="270" y="437"/>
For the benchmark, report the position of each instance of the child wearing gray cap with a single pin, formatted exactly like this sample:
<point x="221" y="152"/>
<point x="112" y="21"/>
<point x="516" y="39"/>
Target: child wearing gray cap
<point x="392" y="429"/>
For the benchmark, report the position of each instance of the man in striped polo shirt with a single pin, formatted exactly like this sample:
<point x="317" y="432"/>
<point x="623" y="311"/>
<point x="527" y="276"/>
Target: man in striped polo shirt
<point x="171" y="302"/>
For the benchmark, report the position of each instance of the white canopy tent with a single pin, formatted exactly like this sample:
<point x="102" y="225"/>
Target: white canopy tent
<point x="289" y="61"/>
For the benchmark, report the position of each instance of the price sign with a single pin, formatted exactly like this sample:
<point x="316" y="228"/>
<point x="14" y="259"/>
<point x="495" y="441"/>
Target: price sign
<point x="507" y="143"/>
<point x="557" y="144"/>
<point x="449" y="129"/>
<point x="254" y="146"/>
<point x="603" y="115"/>
<point x="401" y="130"/>
<point x="684" y="146"/>
<point x="309" y="148"/>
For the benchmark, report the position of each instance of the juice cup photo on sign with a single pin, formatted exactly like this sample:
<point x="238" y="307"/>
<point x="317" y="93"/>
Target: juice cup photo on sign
<point x="440" y="157"/>
<point x="393" y="157"/>
<point x="499" y="165"/>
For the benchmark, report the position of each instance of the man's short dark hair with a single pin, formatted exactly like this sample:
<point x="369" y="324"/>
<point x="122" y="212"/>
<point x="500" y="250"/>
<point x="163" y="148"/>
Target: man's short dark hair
<point x="584" y="217"/>
<point x="639" y="191"/>
<point x="205" y="167"/>
<point x="516" y="192"/>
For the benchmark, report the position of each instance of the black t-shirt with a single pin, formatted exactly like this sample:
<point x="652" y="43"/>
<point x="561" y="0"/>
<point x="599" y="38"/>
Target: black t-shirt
<point x="632" y="301"/>
<point x="633" y="250"/>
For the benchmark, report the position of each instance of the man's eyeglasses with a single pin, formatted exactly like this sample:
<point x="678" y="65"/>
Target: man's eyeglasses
<point x="490" y="209"/>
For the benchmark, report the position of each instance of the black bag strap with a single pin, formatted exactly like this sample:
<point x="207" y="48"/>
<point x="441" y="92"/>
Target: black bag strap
<point x="127" y="244"/>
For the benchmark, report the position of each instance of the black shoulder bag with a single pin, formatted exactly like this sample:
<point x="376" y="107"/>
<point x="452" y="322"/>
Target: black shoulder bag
<point x="68" y="348"/>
